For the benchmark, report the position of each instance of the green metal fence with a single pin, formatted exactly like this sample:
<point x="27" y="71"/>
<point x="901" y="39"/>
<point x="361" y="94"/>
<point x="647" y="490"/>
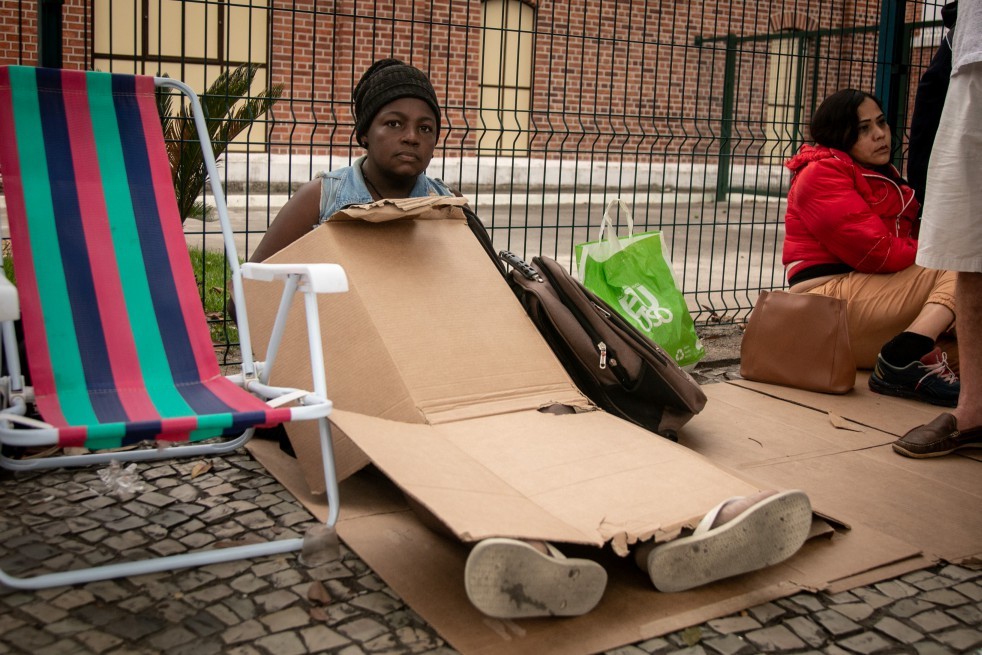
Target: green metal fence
<point x="551" y="109"/>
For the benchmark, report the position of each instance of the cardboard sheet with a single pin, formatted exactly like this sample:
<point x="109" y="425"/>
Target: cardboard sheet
<point x="853" y="475"/>
<point x="438" y="376"/>
<point x="426" y="570"/>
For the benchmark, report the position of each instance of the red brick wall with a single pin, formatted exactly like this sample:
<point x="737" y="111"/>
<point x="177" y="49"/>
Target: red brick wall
<point x="628" y="81"/>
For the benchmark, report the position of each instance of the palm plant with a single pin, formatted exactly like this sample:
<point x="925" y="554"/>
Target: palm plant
<point x="228" y="109"/>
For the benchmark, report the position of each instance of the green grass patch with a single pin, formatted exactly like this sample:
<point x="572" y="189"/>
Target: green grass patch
<point x="214" y="277"/>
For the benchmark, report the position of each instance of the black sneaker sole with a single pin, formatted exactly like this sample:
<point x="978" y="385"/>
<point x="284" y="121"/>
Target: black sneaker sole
<point x="903" y="392"/>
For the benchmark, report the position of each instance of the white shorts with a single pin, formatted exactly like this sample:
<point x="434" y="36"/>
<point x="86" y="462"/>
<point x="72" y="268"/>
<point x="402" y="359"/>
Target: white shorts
<point x="951" y="224"/>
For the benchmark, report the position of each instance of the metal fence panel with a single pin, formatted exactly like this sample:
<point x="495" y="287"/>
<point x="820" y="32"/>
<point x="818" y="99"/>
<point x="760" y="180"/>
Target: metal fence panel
<point x="550" y="109"/>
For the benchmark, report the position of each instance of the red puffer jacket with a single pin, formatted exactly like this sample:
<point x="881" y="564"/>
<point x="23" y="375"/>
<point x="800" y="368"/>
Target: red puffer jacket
<point x="842" y="213"/>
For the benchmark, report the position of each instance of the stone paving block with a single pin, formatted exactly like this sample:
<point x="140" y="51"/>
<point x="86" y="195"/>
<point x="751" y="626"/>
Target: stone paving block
<point x="933" y="621"/>
<point x="970" y="589"/>
<point x="172" y="637"/>
<point x="197" y="540"/>
<point x="809" y="631"/>
<point x="203" y="624"/>
<point x="107" y="590"/>
<point x="871" y="597"/>
<point x="956" y="572"/>
<point x="192" y="579"/>
<point x="284" y="643"/>
<point x="734" y="624"/>
<point x="803" y="603"/>
<point x="286" y="578"/>
<point x="767" y="612"/>
<point x="898" y="631"/>
<point x="248" y="583"/>
<point x="896" y="589"/>
<point x="167" y="547"/>
<point x="125" y="541"/>
<point x="58" y="648"/>
<point x="137" y="603"/>
<point x="854" y="611"/>
<point x="9" y="623"/>
<point x="931" y="648"/>
<point x="837" y="624"/>
<point x="136" y="626"/>
<point x="864" y="643"/>
<point x="968" y="614"/>
<point x="72" y="598"/>
<point x="292" y="617"/>
<point x="28" y="638"/>
<point x="728" y="645"/>
<point x="67" y="626"/>
<point x="946" y="597"/>
<point x="320" y="638"/>
<point x="276" y="600"/>
<point x="378" y="603"/>
<point x="243" y="606"/>
<point x="362" y="630"/>
<point x="774" y="638"/>
<point x="960" y="639"/>
<point x="330" y="571"/>
<point x="156" y="499"/>
<point x="98" y="641"/>
<point x="247" y="631"/>
<point x="842" y="597"/>
<point x="210" y="594"/>
<point x="270" y="566"/>
<point x="223" y="614"/>
<point x="909" y="607"/>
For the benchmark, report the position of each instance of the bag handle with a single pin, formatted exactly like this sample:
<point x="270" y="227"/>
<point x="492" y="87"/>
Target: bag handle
<point x="612" y="235"/>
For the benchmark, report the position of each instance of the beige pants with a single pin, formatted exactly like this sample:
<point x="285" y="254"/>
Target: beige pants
<point x="881" y="306"/>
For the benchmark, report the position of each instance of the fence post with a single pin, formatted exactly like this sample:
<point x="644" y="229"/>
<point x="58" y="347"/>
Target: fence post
<point x="890" y="67"/>
<point x="726" y="121"/>
<point x="49" y="37"/>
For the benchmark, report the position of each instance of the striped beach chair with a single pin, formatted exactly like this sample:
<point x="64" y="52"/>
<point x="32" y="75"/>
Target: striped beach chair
<point x="116" y="338"/>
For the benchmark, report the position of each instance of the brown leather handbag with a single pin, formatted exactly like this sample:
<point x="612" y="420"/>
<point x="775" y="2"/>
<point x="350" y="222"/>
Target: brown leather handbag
<point x="798" y="340"/>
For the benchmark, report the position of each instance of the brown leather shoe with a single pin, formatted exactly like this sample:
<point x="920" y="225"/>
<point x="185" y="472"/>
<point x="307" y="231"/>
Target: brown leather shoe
<point x="939" y="437"/>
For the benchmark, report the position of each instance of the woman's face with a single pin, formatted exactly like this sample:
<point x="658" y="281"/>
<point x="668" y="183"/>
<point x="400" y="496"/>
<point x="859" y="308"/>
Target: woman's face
<point x="401" y="138"/>
<point x="872" y="148"/>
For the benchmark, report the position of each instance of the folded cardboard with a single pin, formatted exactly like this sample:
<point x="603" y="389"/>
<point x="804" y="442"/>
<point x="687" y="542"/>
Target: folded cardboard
<point x="439" y="377"/>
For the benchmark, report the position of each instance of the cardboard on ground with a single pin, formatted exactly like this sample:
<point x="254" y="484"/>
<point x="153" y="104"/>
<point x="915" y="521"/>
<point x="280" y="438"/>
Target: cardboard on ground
<point x="438" y="376"/>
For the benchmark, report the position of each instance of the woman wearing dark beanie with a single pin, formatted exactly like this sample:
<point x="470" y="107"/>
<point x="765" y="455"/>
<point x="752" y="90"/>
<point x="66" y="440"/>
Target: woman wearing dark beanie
<point x="397" y="122"/>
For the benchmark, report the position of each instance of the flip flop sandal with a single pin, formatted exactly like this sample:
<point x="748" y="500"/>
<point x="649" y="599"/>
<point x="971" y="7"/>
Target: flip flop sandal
<point x="509" y="579"/>
<point x="766" y="533"/>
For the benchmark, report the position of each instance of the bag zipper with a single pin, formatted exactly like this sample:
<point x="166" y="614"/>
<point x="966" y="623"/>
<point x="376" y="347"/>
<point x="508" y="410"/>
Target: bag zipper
<point x="606" y="354"/>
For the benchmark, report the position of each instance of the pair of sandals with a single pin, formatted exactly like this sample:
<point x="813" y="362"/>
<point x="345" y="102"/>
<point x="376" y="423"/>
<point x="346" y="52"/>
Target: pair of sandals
<point x="511" y="579"/>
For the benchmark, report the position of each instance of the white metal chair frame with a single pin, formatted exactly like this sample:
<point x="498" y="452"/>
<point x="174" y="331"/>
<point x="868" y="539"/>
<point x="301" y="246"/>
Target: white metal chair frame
<point x="309" y="279"/>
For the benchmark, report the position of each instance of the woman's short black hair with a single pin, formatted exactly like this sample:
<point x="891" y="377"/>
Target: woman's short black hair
<point x="836" y="121"/>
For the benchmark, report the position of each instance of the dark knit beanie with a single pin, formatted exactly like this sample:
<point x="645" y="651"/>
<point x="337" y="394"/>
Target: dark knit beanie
<point x="387" y="80"/>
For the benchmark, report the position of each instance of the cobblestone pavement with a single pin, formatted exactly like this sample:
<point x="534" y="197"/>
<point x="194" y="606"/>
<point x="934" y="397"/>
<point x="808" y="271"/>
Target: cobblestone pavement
<point x="275" y="605"/>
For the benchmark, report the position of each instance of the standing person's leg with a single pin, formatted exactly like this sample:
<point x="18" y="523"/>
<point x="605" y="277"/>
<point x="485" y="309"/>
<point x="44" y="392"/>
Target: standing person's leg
<point x="962" y="428"/>
<point x="951" y="238"/>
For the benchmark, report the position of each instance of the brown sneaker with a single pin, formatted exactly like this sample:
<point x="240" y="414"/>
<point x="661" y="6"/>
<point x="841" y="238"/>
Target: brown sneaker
<point x="939" y="437"/>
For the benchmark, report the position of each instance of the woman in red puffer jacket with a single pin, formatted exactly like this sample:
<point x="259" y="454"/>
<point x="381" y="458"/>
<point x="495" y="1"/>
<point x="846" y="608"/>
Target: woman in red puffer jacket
<point x="851" y="233"/>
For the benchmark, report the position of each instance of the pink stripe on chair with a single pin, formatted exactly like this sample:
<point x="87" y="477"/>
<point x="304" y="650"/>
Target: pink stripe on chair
<point x="42" y="373"/>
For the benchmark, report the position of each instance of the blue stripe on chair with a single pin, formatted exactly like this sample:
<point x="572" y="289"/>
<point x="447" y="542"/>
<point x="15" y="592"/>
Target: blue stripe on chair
<point x="170" y="317"/>
<point x="74" y="253"/>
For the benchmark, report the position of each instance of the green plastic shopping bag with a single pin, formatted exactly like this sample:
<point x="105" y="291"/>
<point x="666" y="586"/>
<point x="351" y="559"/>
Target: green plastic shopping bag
<point x="633" y="275"/>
